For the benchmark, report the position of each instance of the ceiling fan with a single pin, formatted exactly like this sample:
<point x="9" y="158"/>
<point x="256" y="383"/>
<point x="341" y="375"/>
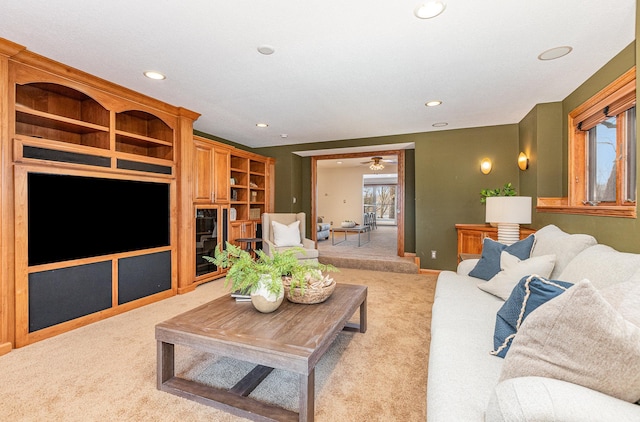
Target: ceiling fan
<point x="376" y="163"/>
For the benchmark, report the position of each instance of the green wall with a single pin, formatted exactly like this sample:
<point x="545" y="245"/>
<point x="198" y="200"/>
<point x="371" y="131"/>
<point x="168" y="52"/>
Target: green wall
<point x="449" y="181"/>
<point x="620" y="233"/>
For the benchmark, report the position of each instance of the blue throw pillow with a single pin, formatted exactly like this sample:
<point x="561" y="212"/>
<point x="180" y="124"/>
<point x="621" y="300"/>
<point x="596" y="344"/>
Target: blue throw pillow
<point x="530" y="292"/>
<point x="489" y="263"/>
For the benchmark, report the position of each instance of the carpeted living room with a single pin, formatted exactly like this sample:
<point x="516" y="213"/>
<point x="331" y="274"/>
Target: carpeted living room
<point x="137" y="139"/>
<point x="107" y="370"/>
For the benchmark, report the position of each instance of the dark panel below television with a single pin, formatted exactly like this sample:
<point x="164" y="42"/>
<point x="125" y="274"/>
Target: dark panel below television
<point x="143" y="275"/>
<point x="64" y="294"/>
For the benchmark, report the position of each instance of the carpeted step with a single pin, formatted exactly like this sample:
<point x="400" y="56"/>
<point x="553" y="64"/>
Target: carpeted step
<point x="404" y="266"/>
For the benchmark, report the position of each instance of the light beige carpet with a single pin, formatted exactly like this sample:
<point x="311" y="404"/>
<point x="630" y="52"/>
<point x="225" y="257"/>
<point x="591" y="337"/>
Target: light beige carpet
<point x="379" y="254"/>
<point x="107" y="371"/>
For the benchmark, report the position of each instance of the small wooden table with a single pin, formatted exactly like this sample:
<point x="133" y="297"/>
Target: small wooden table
<point x="248" y="241"/>
<point x="359" y="229"/>
<point x="292" y="338"/>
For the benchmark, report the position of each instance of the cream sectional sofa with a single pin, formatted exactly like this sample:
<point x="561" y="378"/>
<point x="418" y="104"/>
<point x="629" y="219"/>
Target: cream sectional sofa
<point x="464" y="379"/>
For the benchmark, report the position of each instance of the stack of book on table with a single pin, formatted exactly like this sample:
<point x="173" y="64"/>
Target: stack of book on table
<point x="241" y="296"/>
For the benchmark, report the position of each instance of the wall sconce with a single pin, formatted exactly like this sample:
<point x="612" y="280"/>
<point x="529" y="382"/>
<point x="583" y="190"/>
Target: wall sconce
<point x="485" y="166"/>
<point x="523" y="161"/>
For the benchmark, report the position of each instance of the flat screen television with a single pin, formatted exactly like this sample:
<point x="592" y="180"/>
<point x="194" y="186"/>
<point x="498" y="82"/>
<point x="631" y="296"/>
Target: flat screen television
<point x="71" y="217"/>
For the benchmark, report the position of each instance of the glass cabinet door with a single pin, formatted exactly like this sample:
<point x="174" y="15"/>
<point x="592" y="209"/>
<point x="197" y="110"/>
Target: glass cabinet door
<point x="208" y="231"/>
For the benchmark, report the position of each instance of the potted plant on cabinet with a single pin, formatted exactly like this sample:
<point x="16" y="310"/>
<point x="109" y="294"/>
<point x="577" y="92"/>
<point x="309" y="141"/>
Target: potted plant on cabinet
<point x="506" y="190"/>
<point x="263" y="277"/>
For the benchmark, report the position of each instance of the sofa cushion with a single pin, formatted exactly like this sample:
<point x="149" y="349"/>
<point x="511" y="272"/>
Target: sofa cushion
<point x="513" y="269"/>
<point x="550" y="240"/>
<point x="461" y="372"/>
<point x="489" y="263"/>
<point x="529" y="294"/>
<point x="602" y="265"/>
<point x="545" y="399"/>
<point x="579" y="337"/>
<point x="286" y="235"/>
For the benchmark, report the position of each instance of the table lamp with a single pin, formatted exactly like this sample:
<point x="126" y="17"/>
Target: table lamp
<point x="508" y="212"/>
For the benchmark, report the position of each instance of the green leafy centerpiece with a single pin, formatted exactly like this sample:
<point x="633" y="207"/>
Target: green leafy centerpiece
<point x="266" y="278"/>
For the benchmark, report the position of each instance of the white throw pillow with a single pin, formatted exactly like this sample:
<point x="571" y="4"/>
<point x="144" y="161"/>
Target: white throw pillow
<point x="550" y="240"/>
<point x="512" y="269"/>
<point x="602" y="265"/>
<point x="284" y="235"/>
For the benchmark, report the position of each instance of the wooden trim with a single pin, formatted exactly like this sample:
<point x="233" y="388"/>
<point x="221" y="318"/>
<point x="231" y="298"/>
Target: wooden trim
<point x="561" y="206"/>
<point x="429" y="272"/>
<point x="9" y="48"/>
<point x="314" y="201"/>
<point x="7" y="270"/>
<point x="5" y="348"/>
<point x="400" y="202"/>
<point x="619" y="90"/>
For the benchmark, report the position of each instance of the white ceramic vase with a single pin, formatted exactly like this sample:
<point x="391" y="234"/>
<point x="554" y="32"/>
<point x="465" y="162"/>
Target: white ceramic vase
<point x="263" y="300"/>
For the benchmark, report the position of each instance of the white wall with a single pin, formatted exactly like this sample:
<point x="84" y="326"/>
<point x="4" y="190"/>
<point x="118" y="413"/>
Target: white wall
<point x="340" y="193"/>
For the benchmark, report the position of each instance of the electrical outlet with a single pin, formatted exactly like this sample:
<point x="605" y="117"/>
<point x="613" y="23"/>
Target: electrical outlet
<point x="433" y="254"/>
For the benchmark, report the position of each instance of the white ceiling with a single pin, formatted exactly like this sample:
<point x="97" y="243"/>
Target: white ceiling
<point x="341" y="69"/>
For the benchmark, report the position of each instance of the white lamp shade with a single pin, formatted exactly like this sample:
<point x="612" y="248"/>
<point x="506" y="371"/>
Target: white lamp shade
<point x="509" y="209"/>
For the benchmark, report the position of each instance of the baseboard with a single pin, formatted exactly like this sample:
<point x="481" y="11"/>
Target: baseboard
<point x="426" y="271"/>
<point x="5" y="348"/>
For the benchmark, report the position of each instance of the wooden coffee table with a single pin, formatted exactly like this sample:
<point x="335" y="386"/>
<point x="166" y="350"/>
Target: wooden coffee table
<point x="293" y="338"/>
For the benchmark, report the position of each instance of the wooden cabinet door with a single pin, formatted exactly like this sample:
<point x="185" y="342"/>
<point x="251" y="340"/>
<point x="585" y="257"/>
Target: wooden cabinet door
<point x="470" y="241"/>
<point x="471" y="237"/>
<point x="221" y="175"/>
<point x="203" y="177"/>
<point x="241" y="229"/>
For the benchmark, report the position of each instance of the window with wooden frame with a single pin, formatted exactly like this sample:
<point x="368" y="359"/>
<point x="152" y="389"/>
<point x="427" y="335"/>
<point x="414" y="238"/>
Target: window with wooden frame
<point x="602" y="154"/>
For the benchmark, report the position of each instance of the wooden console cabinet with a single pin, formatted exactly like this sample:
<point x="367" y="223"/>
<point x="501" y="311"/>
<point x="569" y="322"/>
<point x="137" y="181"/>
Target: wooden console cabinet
<point x="471" y="236"/>
<point x="59" y="123"/>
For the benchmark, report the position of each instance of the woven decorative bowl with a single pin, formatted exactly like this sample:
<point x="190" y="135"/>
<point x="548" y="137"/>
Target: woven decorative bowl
<point x="348" y="224"/>
<point x="311" y="294"/>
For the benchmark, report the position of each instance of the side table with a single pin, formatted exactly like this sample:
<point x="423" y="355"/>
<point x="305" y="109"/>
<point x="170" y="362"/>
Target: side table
<point x="249" y="241"/>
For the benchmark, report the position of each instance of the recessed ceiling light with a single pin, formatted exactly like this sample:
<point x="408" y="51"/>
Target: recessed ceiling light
<point x="429" y="10"/>
<point x="266" y="50"/>
<point x="338" y="162"/>
<point x="151" y="74"/>
<point x="440" y="124"/>
<point x="433" y="103"/>
<point x="262" y="125"/>
<point x="555" y="53"/>
<point x="284" y="135"/>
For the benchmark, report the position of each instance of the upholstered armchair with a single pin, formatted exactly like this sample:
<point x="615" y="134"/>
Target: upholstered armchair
<point x="281" y="231"/>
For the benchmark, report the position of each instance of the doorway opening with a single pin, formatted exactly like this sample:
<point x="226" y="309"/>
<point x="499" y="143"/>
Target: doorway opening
<point x="375" y="193"/>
